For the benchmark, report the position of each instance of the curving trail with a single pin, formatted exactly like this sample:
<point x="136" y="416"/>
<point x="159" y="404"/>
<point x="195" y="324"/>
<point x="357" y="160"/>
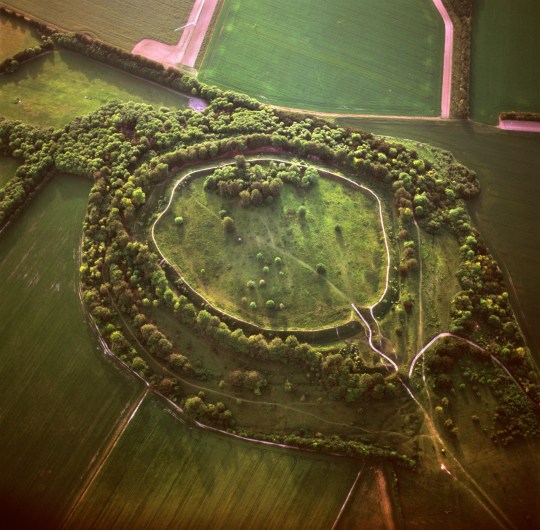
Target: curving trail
<point x="370" y="339"/>
<point x="342" y="178"/>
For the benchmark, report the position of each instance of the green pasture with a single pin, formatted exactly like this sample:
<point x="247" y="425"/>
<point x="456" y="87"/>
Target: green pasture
<point x="220" y="266"/>
<point x="59" y="399"/>
<point x="505" y="73"/>
<point x="54" y="89"/>
<point x="346" y="56"/>
<point x="8" y="166"/>
<point x="15" y="37"/>
<point x="121" y="24"/>
<point x="165" y="474"/>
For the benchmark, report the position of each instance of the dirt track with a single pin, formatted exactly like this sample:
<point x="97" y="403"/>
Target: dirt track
<point x="520" y="125"/>
<point x="187" y="49"/>
<point x="447" y="65"/>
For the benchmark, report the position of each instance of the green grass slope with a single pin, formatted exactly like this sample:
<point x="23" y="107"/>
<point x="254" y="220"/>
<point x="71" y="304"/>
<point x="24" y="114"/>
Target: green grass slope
<point x="220" y="267"/>
<point x="54" y="89"/>
<point x="366" y="57"/>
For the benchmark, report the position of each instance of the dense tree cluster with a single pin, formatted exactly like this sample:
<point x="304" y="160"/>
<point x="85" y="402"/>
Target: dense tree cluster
<point x="35" y="148"/>
<point x="256" y="184"/>
<point x="333" y="444"/>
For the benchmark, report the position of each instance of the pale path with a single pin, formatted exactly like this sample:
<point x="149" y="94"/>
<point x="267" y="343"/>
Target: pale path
<point x="188" y="47"/>
<point x="101" y="460"/>
<point x="520" y="125"/>
<point x="347" y="499"/>
<point x="447" y="65"/>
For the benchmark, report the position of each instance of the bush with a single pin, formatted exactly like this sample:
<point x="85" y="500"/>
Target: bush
<point x="270" y="304"/>
<point x="179" y="221"/>
<point x="320" y="268"/>
<point x="228" y="225"/>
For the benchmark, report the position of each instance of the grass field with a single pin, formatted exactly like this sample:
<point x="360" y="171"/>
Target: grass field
<point x="163" y="474"/>
<point x="366" y="57"/>
<point x="505" y="51"/>
<point x="8" y="166"/>
<point x="59" y="400"/>
<point x="56" y="88"/>
<point x="122" y="24"/>
<point x="354" y="258"/>
<point x="15" y="37"/>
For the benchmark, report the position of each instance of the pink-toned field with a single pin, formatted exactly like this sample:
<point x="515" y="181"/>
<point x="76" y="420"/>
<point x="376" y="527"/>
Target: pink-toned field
<point x="520" y="125"/>
<point x="188" y="47"/>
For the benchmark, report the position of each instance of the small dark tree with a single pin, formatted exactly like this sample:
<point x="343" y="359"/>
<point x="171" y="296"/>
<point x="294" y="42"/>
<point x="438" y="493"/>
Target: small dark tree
<point x="320" y="268"/>
<point x="228" y="225"/>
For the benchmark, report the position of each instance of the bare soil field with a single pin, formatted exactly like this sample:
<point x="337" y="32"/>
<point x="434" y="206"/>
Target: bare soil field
<point x="187" y="49"/>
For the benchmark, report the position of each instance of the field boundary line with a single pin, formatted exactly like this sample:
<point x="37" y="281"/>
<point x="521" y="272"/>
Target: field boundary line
<point x="102" y="460"/>
<point x="346" y="502"/>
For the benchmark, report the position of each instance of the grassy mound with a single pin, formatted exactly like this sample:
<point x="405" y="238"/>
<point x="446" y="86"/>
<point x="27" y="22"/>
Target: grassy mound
<point x="297" y="261"/>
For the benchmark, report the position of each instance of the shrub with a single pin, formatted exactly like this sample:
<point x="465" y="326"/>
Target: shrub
<point x="178" y="221"/>
<point x="228" y="225"/>
<point x="320" y="268"/>
<point x="270" y="304"/>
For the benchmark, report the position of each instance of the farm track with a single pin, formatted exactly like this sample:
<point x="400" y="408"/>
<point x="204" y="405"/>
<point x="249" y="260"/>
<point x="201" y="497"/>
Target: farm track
<point x="189" y="45"/>
<point x="100" y="460"/>
<point x="347" y="499"/>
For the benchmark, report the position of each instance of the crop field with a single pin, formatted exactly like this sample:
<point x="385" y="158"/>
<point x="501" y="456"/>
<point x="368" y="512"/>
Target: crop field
<point x="164" y="474"/>
<point x="54" y="89"/>
<point x="366" y="57"/>
<point x="59" y="400"/>
<point x="121" y="24"/>
<point x="220" y="266"/>
<point x="8" y="166"/>
<point x="505" y="50"/>
<point x="14" y="37"/>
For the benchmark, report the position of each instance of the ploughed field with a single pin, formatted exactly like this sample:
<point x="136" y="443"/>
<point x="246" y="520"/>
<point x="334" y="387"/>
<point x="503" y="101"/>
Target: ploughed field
<point x="121" y="24"/>
<point x="505" y="51"/>
<point x="59" y="399"/>
<point x="273" y="250"/>
<point x="15" y="37"/>
<point x="366" y="57"/>
<point x="181" y="477"/>
<point x="53" y="89"/>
